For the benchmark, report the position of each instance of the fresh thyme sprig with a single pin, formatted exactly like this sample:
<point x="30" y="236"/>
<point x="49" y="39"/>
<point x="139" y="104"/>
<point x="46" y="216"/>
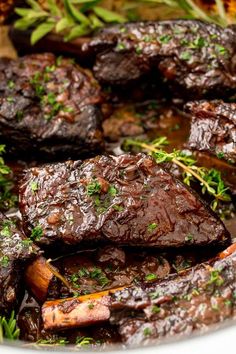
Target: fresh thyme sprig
<point x="75" y="18"/>
<point x="8" y="328"/>
<point x="210" y="179"/>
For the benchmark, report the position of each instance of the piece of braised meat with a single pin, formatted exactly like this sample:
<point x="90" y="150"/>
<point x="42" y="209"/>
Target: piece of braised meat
<point x="15" y="250"/>
<point x="190" y="301"/>
<point x="126" y="200"/>
<point x="48" y="108"/>
<point x="180" y="304"/>
<point x="192" y="56"/>
<point x="213" y="128"/>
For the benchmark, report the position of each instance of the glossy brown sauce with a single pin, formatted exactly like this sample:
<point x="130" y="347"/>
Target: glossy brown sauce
<point x="94" y="270"/>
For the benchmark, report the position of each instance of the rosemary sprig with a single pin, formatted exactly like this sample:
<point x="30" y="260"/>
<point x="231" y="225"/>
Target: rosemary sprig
<point x="75" y="18"/>
<point x="8" y="328"/>
<point x="210" y="179"/>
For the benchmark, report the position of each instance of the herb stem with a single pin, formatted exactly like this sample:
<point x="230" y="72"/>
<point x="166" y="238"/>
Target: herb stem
<point x="191" y="170"/>
<point x="222" y="12"/>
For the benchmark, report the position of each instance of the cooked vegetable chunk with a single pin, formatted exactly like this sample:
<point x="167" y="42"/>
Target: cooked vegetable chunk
<point x="193" y="300"/>
<point x="48" y="108"/>
<point x="127" y="200"/>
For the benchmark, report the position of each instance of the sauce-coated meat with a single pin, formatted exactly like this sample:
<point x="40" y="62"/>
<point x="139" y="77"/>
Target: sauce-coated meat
<point x="127" y="200"/>
<point x="194" y="57"/>
<point x="48" y="108"/>
<point x="180" y="304"/>
<point x="213" y="128"/>
<point x="15" y="250"/>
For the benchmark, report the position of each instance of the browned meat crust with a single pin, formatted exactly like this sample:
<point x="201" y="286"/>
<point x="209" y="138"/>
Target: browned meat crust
<point x="180" y="304"/>
<point x="48" y="108"/>
<point x="213" y="128"/>
<point x="15" y="250"/>
<point x="192" y="56"/>
<point x="127" y="200"/>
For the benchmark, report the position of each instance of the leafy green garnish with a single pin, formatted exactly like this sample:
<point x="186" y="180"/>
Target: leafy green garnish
<point x="52" y="342"/>
<point x="210" y="179"/>
<point x="93" y="187"/>
<point x="83" y="341"/>
<point x="72" y="18"/>
<point x="36" y="233"/>
<point x="81" y="17"/>
<point x="95" y="273"/>
<point x="8" y="328"/>
<point x="151" y="277"/>
<point x="152" y="227"/>
<point x="215" y="278"/>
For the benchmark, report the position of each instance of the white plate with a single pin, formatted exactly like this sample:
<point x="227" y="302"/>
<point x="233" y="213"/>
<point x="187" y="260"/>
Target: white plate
<point x="217" y="342"/>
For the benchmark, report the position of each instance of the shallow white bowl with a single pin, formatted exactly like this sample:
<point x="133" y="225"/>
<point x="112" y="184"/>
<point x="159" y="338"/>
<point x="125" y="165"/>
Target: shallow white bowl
<point x="220" y="341"/>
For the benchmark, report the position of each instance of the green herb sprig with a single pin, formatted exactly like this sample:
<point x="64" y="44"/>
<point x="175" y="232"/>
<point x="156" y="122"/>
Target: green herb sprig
<point x="8" y="328"/>
<point x="84" y="341"/>
<point x="73" y="18"/>
<point x="210" y="179"/>
<point x="76" y="18"/>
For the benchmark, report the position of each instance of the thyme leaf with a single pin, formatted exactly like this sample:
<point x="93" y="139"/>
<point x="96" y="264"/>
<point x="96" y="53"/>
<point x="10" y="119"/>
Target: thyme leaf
<point x="210" y="180"/>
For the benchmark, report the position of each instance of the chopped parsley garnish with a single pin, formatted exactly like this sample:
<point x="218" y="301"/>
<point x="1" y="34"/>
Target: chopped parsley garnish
<point x="220" y="155"/>
<point x="112" y="191"/>
<point x="6" y="232"/>
<point x="185" y="56"/>
<point x="155" y="309"/>
<point x="138" y="50"/>
<point x="93" y="188"/>
<point x="228" y="302"/>
<point x="152" y="227"/>
<point x="10" y="84"/>
<point x="27" y="242"/>
<point x="36" y="233"/>
<point x="199" y="42"/>
<point x="117" y="207"/>
<point x="147" y="331"/>
<point x="151" y="277"/>
<point x="50" y="69"/>
<point x="120" y="46"/>
<point x="4" y="261"/>
<point x="90" y="306"/>
<point x="189" y="238"/>
<point x="95" y="273"/>
<point x="165" y="38"/>
<point x="221" y="50"/>
<point x="147" y="38"/>
<point x="10" y="99"/>
<point x="34" y="186"/>
<point x="215" y="278"/>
